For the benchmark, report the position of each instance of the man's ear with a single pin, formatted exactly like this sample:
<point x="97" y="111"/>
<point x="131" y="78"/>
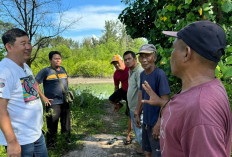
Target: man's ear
<point x="155" y="57"/>
<point x="8" y="46"/>
<point x="188" y="54"/>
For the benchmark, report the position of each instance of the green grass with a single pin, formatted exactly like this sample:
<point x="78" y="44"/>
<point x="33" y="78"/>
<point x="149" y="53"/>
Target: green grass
<point x="85" y="110"/>
<point x="2" y="151"/>
<point x="101" y="90"/>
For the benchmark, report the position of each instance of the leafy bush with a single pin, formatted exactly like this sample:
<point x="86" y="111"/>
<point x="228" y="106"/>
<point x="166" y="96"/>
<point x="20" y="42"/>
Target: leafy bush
<point x="224" y="72"/>
<point x="92" y="68"/>
<point x="89" y="60"/>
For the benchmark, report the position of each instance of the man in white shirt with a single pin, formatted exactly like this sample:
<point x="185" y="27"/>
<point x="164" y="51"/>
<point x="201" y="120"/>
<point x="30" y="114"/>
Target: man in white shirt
<point x="21" y="111"/>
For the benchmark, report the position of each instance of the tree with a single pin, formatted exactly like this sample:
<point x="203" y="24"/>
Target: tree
<point x="71" y="44"/>
<point x="148" y="18"/>
<point x="1" y="53"/>
<point x="36" y="18"/>
<point x="110" y="31"/>
<point x="3" y="27"/>
<point x="95" y="41"/>
<point x="115" y="31"/>
<point x="87" y="42"/>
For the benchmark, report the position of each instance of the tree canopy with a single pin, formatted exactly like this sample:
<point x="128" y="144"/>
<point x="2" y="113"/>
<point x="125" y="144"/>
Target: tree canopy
<point x="148" y="18"/>
<point x="92" y="57"/>
<point x="36" y="18"/>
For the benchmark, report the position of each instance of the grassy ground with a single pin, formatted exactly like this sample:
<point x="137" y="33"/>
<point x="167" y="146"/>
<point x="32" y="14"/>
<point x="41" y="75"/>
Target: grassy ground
<point x="85" y="120"/>
<point x="100" y="90"/>
<point x="86" y="112"/>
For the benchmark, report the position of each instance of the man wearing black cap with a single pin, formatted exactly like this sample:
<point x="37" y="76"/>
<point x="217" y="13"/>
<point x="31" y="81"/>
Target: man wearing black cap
<point x="159" y="83"/>
<point x="196" y="121"/>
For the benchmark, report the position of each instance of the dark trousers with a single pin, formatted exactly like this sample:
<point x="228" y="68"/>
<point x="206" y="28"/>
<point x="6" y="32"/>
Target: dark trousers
<point x="56" y="112"/>
<point x="119" y="95"/>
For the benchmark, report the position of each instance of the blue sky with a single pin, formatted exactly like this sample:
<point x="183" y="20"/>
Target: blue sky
<point x="92" y="14"/>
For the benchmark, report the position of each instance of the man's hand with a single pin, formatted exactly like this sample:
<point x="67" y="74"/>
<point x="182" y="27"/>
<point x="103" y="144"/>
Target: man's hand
<point x="155" y="100"/>
<point x="47" y="101"/>
<point x="156" y="130"/>
<point x="44" y="98"/>
<point x="137" y="120"/>
<point x="13" y="149"/>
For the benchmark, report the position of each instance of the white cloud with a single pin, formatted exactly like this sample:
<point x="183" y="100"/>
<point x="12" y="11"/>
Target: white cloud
<point x="91" y="20"/>
<point x="101" y="8"/>
<point x="75" y="38"/>
<point x="92" y="17"/>
<point x="80" y="38"/>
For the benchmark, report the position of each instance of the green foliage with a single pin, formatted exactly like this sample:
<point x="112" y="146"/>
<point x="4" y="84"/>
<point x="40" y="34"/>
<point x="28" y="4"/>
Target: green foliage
<point x="148" y="19"/>
<point x="100" y="90"/>
<point x="224" y="72"/>
<point x="92" y="68"/>
<point x="93" y="57"/>
<point x="111" y="30"/>
<point x="86" y="110"/>
<point x="71" y="44"/>
<point x="227" y="6"/>
<point x="1" y="53"/>
<point x="3" y="151"/>
<point x="4" y="26"/>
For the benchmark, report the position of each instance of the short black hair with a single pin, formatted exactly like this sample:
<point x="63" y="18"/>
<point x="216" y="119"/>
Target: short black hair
<point x="129" y="52"/>
<point x="50" y="55"/>
<point x="11" y="35"/>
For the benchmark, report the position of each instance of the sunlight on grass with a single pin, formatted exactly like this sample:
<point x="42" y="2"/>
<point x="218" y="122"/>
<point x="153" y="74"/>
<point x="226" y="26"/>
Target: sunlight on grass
<point x="102" y="91"/>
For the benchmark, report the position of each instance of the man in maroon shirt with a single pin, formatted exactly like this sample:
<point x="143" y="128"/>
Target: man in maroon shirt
<point x="196" y="122"/>
<point x="121" y="75"/>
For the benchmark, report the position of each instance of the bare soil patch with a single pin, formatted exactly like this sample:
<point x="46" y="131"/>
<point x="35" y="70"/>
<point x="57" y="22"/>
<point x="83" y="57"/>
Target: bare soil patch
<point x="96" y="145"/>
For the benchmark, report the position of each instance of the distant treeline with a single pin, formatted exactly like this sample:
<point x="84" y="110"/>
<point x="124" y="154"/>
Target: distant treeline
<point x="92" y="57"/>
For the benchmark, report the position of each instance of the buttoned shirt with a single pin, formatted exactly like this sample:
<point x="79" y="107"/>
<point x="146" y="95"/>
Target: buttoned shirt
<point x="133" y="88"/>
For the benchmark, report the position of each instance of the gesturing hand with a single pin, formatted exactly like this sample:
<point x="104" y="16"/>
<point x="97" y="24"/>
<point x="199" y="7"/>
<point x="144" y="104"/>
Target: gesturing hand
<point x="154" y="100"/>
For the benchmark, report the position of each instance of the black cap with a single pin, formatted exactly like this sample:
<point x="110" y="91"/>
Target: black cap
<point x="205" y="37"/>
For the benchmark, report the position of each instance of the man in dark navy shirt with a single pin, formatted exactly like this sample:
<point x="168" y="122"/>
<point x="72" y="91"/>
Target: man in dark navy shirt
<point x="159" y="83"/>
<point x="53" y="78"/>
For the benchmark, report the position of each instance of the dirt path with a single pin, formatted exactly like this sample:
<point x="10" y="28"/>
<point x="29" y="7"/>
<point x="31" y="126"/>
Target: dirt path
<point x="96" y="146"/>
<point x="82" y="80"/>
